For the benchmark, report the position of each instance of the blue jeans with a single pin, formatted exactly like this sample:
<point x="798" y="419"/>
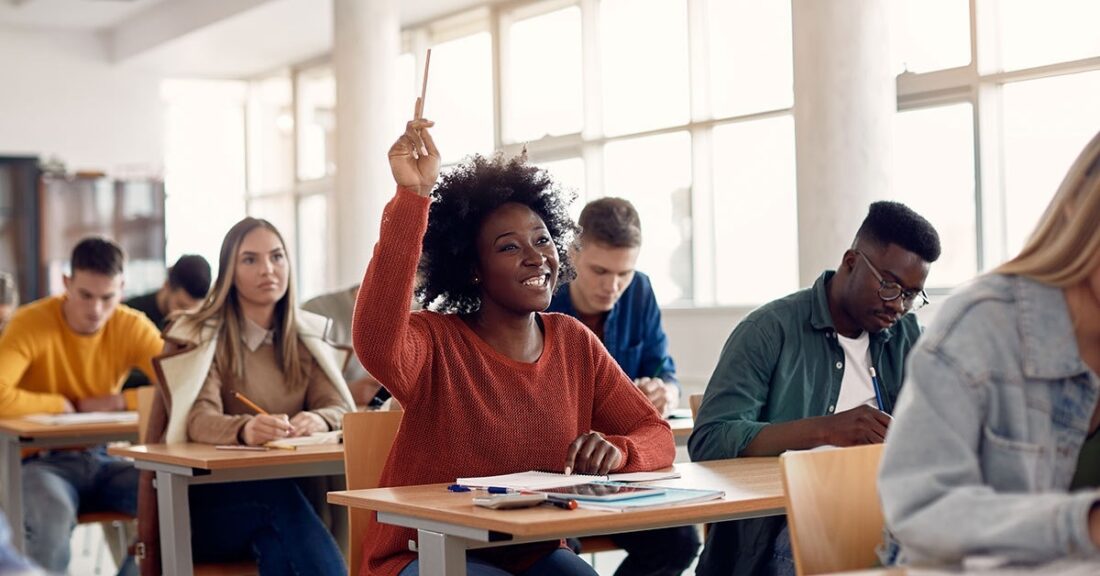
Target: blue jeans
<point x="56" y="485"/>
<point x="559" y="562"/>
<point x="783" y="559"/>
<point x="269" y="521"/>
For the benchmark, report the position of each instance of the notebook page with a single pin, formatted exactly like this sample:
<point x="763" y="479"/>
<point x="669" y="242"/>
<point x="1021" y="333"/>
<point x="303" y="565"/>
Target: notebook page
<point x="530" y="480"/>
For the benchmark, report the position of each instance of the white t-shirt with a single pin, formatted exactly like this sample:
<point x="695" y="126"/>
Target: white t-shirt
<point x="856" y="387"/>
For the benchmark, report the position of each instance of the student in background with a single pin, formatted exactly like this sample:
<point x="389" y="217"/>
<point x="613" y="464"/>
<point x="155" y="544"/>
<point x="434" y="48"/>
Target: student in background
<point x="338" y="307"/>
<point x="248" y="338"/>
<point x="994" y="450"/>
<point x="66" y="353"/>
<point x="796" y="373"/>
<point x="489" y="384"/>
<point x="187" y="284"/>
<point x="9" y="299"/>
<point x="616" y="302"/>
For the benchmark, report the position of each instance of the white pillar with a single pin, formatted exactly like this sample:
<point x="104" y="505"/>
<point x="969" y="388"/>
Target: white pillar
<point x="365" y="49"/>
<point x="845" y="97"/>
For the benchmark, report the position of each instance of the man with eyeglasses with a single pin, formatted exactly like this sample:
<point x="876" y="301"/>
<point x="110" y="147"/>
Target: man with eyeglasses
<point x="818" y="367"/>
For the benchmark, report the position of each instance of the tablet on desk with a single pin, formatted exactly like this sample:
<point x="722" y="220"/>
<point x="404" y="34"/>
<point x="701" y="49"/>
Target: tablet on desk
<point x="601" y="492"/>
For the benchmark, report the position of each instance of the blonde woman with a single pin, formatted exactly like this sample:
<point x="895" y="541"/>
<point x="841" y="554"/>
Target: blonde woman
<point x="248" y="338"/>
<point x="994" y="449"/>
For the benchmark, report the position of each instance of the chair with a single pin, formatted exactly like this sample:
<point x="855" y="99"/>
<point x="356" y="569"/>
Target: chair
<point x="833" y="510"/>
<point x="695" y="400"/>
<point x="368" y="437"/>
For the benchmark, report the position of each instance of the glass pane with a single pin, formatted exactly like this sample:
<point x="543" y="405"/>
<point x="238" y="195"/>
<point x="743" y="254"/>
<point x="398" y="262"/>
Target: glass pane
<point x="569" y="174"/>
<point x="644" y="60"/>
<point x="460" y="96"/>
<point x="313" y="222"/>
<point x="279" y="210"/>
<point x="317" y="124"/>
<point x="270" y="135"/>
<point x="934" y="175"/>
<point x="663" y="199"/>
<point x="755" y="197"/>
<point x="543" y="76"/>
<point x="1046" y="124"/>
<point x="930" y="34"/>
<point x="204" y="161"/>
<point x="750" y="55"/>
<point x="1036" y="33"/>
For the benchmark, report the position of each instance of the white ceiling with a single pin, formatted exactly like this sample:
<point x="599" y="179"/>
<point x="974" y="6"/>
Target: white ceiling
<point x="70" y="14"/>
<point x="180" y="37"/>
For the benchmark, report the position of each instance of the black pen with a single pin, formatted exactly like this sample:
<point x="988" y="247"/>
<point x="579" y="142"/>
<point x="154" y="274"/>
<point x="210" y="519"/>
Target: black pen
<point x="564" y="504"/>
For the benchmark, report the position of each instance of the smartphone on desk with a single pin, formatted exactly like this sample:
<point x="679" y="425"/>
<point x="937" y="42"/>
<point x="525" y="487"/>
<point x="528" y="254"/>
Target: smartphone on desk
<point x="509" y="501"/>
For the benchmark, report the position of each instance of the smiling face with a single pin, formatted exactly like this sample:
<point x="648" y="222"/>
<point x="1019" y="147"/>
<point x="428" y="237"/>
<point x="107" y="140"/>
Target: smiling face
<point x="603" y="274"/>
<point x="517" y="260"/>
<point x="861" y="301"/>
<point x="90" y="299"/>
<point x="261" y="270"/>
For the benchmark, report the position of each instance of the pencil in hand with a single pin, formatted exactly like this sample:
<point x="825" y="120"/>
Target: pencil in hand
<point x="255" y="408"/>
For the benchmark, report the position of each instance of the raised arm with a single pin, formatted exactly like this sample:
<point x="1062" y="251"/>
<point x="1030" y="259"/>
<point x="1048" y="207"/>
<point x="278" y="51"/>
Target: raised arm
<point x="388" y="343"/>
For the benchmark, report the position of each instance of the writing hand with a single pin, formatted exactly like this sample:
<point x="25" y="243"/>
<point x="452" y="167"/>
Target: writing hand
<point x="264" y="428"/>
<point x="108" y="403"/>
<point x="656" y="391"/>
<point x="860" y="425"/>
<point x="306" y="423"/>
<point x="592" y="454"/>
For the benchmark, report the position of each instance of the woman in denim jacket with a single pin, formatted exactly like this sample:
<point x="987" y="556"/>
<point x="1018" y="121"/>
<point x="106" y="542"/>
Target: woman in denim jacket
<point x="1001" y="396"/>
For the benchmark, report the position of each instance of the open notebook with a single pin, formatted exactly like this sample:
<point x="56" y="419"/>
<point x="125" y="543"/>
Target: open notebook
<point x="667" y="497"/>
<point x="84" y="418"/>
<point x="334" y="437"/>
<point x="538" y="480"/>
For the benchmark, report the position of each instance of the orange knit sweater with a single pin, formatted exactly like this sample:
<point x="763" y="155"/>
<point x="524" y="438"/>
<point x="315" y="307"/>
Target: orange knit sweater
<point x="471" y="411"/>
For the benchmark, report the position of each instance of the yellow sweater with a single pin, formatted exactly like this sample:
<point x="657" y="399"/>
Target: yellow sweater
<point x="43" y="361"/>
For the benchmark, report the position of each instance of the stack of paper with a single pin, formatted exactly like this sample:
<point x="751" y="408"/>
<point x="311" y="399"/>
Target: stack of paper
<point x="670" y="497"/>
<point x="334" y="437"/>
<point x="84" y="418"/>
<point x="537" y="480"/>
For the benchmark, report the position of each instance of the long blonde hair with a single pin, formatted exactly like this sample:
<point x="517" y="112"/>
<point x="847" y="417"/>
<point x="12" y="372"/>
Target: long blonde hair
<point x="222" y="307"/>
<point x="1065" y="247"/>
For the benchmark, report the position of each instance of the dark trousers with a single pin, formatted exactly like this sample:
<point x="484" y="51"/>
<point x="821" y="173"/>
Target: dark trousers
<point x="269" y="521"/>
<point x="662" y="552"/>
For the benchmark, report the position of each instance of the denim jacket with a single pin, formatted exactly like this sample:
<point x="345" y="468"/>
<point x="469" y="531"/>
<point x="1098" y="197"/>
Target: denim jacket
<point x="988" y="428"/>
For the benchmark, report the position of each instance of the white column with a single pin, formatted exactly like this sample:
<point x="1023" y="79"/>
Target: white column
<point x="365" y="49"/>
<point x="845" y="97"/>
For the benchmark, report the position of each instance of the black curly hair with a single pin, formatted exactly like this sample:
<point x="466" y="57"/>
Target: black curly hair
<point x="465" y="195"/>
<point x="896" y="223"/>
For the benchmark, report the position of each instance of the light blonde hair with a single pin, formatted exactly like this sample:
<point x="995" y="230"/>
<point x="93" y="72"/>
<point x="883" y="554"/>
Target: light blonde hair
<point x="1064" y="249"/>
<point x="221" y="306"/>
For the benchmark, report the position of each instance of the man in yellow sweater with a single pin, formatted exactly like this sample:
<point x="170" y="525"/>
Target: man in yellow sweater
<point x="71" y="353"/>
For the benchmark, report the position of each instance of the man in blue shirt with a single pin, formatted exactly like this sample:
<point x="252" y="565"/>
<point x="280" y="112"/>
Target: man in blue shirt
<point x="617" y="303"/>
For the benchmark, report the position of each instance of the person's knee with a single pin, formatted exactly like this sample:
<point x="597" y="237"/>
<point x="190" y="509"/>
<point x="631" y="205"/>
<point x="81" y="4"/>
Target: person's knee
<point x="47" y="498"/>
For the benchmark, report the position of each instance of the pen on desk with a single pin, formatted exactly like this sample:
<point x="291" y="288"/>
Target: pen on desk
<point x="242" y="447"/>
<point x="878" y="390"/>
<point x="249" y="403"/>
<point x="565" y="504"/>
<point x="500" y="490"/>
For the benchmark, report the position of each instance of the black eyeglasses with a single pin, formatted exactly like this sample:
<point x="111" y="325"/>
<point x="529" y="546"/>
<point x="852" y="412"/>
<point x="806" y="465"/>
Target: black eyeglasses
<point x="890" y="291"/>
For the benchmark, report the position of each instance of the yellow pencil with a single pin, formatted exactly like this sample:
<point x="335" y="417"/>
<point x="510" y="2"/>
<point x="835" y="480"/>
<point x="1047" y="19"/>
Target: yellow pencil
<point x="250" y="403"/>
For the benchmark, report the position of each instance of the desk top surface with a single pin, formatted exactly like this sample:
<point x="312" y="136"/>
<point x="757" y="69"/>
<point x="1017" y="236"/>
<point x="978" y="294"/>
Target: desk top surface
<point x="207" y="457"/>
<point x="681" y="426"/>
<point x="28" y="429"/>
<point x="751" y="486"/>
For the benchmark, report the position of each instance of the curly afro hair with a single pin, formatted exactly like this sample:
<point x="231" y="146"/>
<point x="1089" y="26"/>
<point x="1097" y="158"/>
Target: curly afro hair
<point x="465" y="196"/>
<point x="895" y="223"/>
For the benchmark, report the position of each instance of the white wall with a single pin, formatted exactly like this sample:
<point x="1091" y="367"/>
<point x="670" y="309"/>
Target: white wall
<point x="59" y="95"/>
<point x="695" y="340"/>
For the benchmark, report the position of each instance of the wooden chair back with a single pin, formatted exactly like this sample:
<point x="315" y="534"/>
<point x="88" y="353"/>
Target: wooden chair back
<point x="695" y="400"/>
<point x="833" y="510"/>
<point x="368" y="438"/>
<point x="145" y="396"/>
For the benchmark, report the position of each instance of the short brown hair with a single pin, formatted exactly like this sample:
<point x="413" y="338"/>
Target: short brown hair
<point x="99" y="255"/>
<point x="611" y="221"/>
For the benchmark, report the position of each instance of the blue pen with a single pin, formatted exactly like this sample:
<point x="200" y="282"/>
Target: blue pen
<point x="458" y="488"/>
<point x="878" y="390"/>
<point x="501" y="490"/>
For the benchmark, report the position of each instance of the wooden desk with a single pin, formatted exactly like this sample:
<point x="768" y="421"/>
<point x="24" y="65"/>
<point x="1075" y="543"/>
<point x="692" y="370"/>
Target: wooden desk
<point x="17" y="434"/>
<point x="178" y="466"/>
<point x="681" y="429"/>
<point x="449" y="524"/>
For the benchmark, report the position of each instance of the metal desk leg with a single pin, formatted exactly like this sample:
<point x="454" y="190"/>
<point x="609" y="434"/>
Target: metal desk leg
<point x="441" y="554"/>
<point x="174" y="508"/>
<point x="11" y="492"/>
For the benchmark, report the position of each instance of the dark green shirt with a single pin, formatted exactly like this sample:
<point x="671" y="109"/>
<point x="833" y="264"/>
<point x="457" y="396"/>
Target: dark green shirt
<point x="783" y="363"/>
<point x="146" y="304"/>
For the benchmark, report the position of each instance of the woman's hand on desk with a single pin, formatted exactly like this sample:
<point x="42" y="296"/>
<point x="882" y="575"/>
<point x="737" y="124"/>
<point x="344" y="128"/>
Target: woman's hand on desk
<point x="592" y="454"/>
<point x="306" y="423"/>
<point x="264" y="428"/>
<point x="414" y="159"/>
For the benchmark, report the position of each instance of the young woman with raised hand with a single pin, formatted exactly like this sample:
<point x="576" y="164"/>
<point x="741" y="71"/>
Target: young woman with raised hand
<point x="248" y="338"/>
<point x="994" y="448"/>
<point x="488" y="382"/>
